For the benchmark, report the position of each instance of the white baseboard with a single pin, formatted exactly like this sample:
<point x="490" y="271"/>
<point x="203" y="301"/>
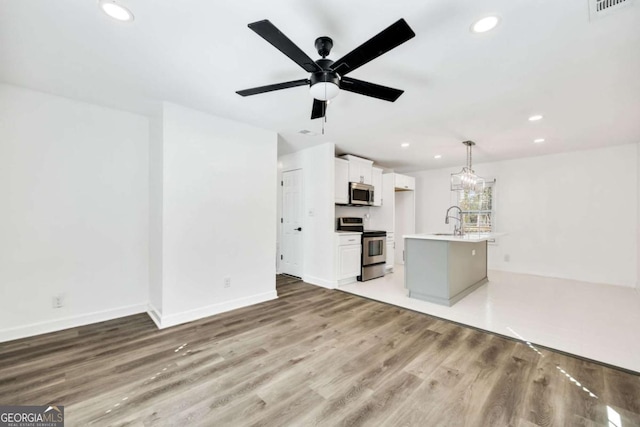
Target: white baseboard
<point x="69" y="322"/>
<point x="319" y="282"/>
<point x="155" y="315"/>
<point x="166" y="321"/>
<point x="553" y="275"/>
<point x="347" y="281"/>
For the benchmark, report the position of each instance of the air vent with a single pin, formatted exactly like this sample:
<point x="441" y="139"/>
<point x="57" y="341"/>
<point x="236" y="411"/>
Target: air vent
<point x="307" y="132"/>
<point x="601" y="8"/>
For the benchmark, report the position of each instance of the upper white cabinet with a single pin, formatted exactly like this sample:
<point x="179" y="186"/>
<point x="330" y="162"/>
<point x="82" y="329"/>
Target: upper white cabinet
<point x="342" y="182"/>
<point x="404" y="182"/>
<point x="359" y="169"/>
<point x="376" y="181"/>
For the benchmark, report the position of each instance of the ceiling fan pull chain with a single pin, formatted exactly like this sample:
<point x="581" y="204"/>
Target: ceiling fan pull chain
<point x="324" y="112"/>
<point x="324" y="109"/>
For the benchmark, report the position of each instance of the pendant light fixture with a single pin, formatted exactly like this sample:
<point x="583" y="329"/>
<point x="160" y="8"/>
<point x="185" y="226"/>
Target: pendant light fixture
<point x="467" y="179"/>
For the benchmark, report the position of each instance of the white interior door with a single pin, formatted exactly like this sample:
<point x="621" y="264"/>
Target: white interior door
<point x="291" y="248"/>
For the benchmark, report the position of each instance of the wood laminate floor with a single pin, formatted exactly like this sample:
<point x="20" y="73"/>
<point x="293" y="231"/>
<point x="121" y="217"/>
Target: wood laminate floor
<point x="311" y="357"/>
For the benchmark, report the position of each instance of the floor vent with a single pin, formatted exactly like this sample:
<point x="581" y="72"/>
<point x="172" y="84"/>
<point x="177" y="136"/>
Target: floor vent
<point x="601" y="8"/>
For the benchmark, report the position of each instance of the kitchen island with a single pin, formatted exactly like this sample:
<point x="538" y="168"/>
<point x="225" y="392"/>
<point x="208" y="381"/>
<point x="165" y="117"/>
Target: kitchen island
<point x="443" y="268"/>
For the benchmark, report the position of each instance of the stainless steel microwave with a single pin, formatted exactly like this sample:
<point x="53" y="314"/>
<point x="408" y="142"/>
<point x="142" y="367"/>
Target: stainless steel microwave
<point x="360" y="194"/>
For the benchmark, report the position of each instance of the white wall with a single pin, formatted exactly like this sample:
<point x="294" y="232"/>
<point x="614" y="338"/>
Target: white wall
<point x="317" y="164"/>
<point x="73" y="212"/>
<point x="572" y="215"/>
<point x="219" y="214"/>
<point x="638" y="226"/>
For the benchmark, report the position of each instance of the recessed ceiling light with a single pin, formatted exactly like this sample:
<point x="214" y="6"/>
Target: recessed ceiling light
<point x="539" y="140"/>
<point x="485" y="24"/>
<point x="535" y="118"/>
<point x="405" y="145"/>
<point x="437" y="156"/>
<point x="116" y="10"/>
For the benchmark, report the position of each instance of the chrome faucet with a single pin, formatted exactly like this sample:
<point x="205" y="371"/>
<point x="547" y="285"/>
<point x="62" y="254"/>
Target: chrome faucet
<point x="457" y="230"/>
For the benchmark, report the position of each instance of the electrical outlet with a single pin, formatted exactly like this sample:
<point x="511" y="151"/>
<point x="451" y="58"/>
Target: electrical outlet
<point x="58" y="301"/>
<point x="227" y="282"/>
<point x="507" y="258"/>
<point x="473" y="252"/>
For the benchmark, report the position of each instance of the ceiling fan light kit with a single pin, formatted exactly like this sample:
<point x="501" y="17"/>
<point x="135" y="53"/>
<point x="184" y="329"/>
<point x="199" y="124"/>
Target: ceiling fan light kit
<point x="325" y="84"/>
<point x="324" y="91"/>
<point x="329" y="77"/>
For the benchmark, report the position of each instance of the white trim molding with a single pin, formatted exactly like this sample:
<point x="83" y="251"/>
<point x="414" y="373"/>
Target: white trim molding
<point x="155" y="315"/>
<point x="69" y="322"/>
<point x="166" y="321"/>
<point x="319" y="282"/>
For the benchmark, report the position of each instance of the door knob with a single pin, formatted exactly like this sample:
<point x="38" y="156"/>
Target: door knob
<point x="298" y="229"/>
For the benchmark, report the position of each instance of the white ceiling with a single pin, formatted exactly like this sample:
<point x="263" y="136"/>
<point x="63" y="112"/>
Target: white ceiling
<point x="545" y="57"/>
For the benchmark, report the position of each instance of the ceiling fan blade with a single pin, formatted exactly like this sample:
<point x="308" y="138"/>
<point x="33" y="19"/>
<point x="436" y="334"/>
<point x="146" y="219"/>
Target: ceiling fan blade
<point x="318" y="109"/>
<point x="387" y="39"/>
<point x="370" y="89"/>
<point x="270" y="33"/>
<point x="269" y="88"/>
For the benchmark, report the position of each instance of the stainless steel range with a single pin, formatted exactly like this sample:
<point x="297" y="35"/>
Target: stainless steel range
<point x="374" y="244"/>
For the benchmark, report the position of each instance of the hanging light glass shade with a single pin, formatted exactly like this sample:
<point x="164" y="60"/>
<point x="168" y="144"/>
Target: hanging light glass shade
<point x="467" y="179"/>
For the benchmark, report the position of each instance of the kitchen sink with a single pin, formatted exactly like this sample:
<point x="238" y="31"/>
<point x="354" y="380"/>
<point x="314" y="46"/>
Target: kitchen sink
<point x="443" y="234"/>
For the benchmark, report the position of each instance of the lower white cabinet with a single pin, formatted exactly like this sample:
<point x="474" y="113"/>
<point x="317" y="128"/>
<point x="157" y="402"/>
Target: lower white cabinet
<point x="349" y="265"/>
<point x="348" y="252"/>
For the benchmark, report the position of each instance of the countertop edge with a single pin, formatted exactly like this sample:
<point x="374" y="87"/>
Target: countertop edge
<point x="469" y="238"/>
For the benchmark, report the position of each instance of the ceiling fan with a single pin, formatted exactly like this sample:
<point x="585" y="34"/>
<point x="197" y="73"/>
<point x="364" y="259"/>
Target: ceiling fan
<point x="327" y="76"/>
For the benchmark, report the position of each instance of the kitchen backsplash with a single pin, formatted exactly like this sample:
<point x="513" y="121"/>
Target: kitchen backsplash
<point x="354" y="211"/>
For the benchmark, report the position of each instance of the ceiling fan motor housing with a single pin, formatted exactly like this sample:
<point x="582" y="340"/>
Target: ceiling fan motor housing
<point x="325" y="76"/>
<point x="323" y="46"/>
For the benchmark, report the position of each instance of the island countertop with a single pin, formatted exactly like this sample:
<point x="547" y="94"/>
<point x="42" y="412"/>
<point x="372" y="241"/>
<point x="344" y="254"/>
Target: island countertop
<point x="469" y="237"/>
